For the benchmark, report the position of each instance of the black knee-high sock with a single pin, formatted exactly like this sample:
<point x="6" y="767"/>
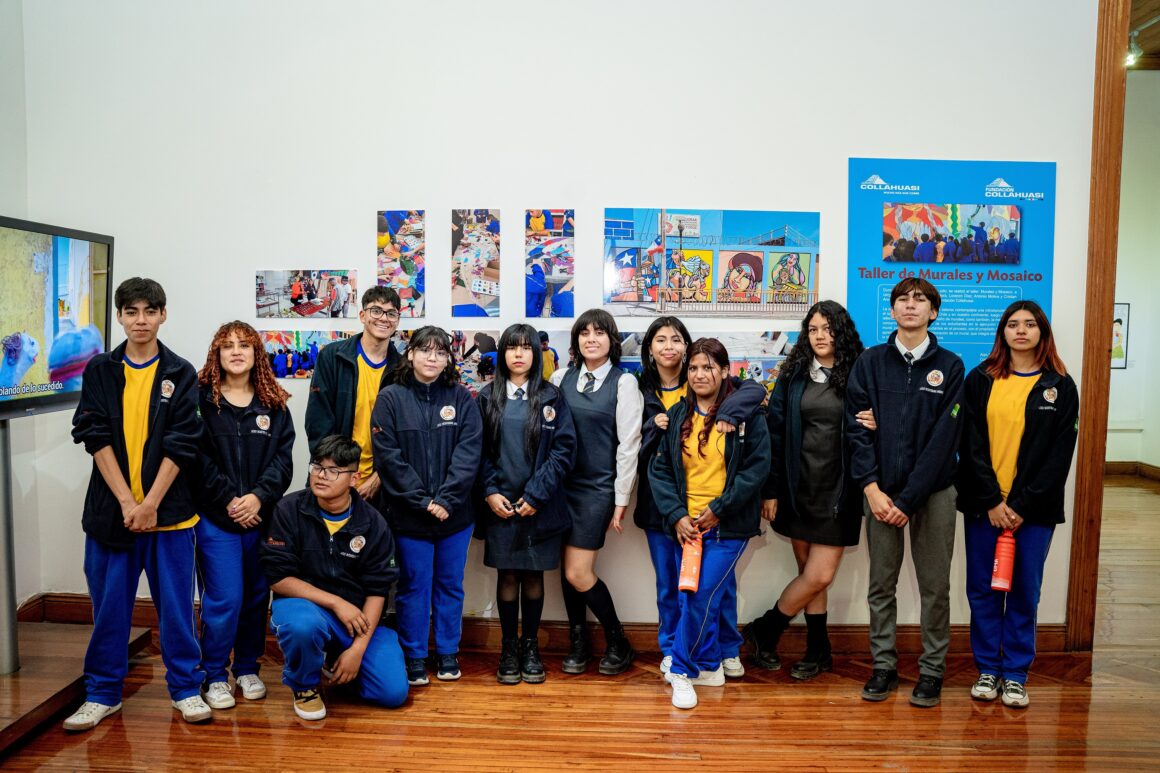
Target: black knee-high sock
<point x="817" y="638"/>
<point x="573" y="602"/>
<point x="532" y="601"/>
<point x="507" y="594"/>
<point x="599" y="600"/>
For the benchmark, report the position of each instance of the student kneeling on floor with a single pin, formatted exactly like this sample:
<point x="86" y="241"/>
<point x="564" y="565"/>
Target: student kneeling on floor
<point x="330" y="560"/>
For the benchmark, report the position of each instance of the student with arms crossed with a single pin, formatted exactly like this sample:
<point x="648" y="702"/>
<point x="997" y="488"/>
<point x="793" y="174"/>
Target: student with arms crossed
<point x="1020" y="421"/>
<point x="906" y="470"/>
<point x="137" y="417"/>
<point x="330" y="561"/>
<point x="246" y="467"/>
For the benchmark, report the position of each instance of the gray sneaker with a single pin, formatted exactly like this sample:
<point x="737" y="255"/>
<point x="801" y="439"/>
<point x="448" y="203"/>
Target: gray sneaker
<point x="1014" y="694"/>
<point x="985" y="688"/>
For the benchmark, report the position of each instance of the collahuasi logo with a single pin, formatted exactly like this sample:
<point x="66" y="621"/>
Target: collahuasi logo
<point x="1000" y="188"/>
<point x="876" y="183"/>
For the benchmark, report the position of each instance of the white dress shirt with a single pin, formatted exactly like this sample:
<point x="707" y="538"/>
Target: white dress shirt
<point x="917" y="351"/>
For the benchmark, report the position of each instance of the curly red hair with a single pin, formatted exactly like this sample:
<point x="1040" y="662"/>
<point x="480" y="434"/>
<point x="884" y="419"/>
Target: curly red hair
<point x="266" y="387"/>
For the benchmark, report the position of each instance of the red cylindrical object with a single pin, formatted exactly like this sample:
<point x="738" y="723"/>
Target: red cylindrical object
<point x="1004" y="561"/>
<point x="690" y="575"/>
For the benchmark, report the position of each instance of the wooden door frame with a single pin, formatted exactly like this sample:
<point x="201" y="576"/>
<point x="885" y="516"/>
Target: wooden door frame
<point x="1103" y="234"/>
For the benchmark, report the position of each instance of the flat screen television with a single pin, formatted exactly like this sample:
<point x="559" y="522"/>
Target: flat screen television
<point x="55" y="297"/>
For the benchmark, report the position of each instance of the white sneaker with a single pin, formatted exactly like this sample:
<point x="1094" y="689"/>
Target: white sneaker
<point x="89" y="715"/>
<point x="666" y="663"/>
<point x="253" y="688"/>
<point x="1014" y="695"/>
<point x="705" y="678"/>
<point x="684" y="696"/>
<point x="219" y="695"/>
<point x="985" y="688"/>
<point x="193" y="709"/>
<point x="733" y="668"/>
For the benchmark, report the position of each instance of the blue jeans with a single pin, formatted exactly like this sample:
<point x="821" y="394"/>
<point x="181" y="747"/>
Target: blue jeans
<point x="307" y="634"/>
<point x="234" y="600"/>
<point x="166" y="557"/>
<point x="1003" y="624"/>
<point x="698" y="645"/>
<point x="666" y="561"/>
<point x="430" y="585"/>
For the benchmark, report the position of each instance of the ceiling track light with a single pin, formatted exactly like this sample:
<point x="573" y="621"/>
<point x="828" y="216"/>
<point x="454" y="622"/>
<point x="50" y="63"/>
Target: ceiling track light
<point x="1134" y="50"/>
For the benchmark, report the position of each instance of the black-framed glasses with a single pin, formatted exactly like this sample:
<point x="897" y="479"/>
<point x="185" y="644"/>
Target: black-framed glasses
<point x="433" y="352"/>
<point x="328" y="473"/>
<point x="377" y="312"/>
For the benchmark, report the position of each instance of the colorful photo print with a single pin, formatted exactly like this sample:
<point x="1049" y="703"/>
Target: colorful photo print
<point x="475" y="262"/>
<point x="549" y="270"/>
<point x="951" y="233"/>
<point x="402" y="256"/>
<point x="741" y="276"/>
<point x="1120" y="315"/>
<point x="293" y="353"/>
<point x="716" y="262"/>
<point x="315" y="294"/>
<point x="475" y="352"/>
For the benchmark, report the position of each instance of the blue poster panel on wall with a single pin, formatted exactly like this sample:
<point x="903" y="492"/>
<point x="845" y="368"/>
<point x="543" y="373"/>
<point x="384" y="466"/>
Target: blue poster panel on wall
<point x="981" y="231"/>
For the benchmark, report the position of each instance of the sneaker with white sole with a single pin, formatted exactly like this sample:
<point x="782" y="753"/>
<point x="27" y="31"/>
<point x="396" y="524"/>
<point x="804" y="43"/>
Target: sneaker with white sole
<point x="308" y="704"/>
<point x="985" y="688"/>
<point x="666" y="663"/>
<point x="193" y="709"/>
<point x="219" y="695"/>
<point x="733" y="668"/>
<point x="1015" y="694"/>
<point x="705" y="678"/>
<point x="89" y="715"/>
<point x="684" y="696"/>
<point x="253" y="688"/>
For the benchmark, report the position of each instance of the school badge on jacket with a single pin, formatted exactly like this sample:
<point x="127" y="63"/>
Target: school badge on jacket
<point x="934" y="378"/>
<point x="167" y="388"/>
<point x="263" y="422"/>
<point x="549" y="413"/>
<point x="447" y="413"/>
<point x="357" y="543"/>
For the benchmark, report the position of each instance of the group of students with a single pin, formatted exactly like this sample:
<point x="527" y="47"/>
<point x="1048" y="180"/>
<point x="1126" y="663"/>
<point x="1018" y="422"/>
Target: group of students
<point x="191" y="471"/>
<point x="975" y="247"/>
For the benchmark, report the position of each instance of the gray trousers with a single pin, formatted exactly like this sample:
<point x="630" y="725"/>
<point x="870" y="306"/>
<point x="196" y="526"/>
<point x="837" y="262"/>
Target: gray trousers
<point x="932" y="543"/>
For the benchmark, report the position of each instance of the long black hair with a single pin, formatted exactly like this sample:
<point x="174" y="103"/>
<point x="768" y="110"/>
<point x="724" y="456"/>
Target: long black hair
<point x="650" y="379"/>
<point x="599" y="319"/>
<point x="427" y="337"/>
<point x="516" y="335"/>
<point x="847" y="344"/>
<point x="719" y="356"/>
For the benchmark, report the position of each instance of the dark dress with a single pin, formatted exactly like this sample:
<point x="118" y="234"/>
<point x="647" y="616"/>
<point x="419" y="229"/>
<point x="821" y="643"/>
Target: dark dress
<point x="590" y="489"/>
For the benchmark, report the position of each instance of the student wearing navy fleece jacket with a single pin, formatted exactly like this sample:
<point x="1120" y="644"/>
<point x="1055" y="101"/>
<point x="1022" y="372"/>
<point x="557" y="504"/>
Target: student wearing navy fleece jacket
<point x="906" y="470"/>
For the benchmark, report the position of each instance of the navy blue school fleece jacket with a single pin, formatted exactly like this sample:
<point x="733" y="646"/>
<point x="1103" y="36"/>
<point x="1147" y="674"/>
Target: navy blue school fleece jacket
<point x="427" y="441"/>
<point x="912" y="453"/>
<point x="330" y="407"/>
<point x="250" y="455"/>
<point x="174" y="433"/>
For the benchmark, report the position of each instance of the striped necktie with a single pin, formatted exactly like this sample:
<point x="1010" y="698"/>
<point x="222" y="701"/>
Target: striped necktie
<point x="519" y="393"/>
<point x="590" y="384"/>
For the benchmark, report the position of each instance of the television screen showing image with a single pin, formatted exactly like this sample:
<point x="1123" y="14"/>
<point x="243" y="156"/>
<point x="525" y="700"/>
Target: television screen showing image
<point x="54" y="306"/>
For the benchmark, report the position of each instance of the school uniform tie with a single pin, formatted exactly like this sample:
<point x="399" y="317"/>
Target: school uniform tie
<point x="590" y="384"/>
<point x="909" y="357"/>
<point x="519" y="393"/>
<point x="825" y="371"/>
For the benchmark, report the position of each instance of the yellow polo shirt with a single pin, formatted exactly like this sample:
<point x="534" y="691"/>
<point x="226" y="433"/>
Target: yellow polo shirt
<point x="1006" y="411"/>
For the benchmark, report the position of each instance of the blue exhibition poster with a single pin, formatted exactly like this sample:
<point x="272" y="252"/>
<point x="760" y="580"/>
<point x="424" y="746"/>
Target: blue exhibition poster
<point x="981" y="231"/>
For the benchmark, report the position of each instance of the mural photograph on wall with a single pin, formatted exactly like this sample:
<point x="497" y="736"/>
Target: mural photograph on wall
<point x="549" y="270"/>
<point x="981" y="255"/>
<point x="401" y="257"/>
<point x="314" y="294"/>
<point x="1120" y="335"/>
<point x="475" y="353"/>
<point x="293" y="353"/>
<point x="715" y="262"/>
<point x="475" y="262"/>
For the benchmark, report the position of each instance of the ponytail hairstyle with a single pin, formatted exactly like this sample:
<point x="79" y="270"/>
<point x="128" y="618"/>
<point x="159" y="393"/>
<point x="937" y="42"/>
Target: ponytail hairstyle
<point x="998" y="362"/>
<point x="650" y="379"/>
<point x="515" y="335"/>
<point x="427" y="337"/>
<point x="266" y="387"/>
<point x="715" y="351"/>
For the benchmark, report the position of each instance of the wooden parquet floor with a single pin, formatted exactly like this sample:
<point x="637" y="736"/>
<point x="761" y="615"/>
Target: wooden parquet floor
<point x="765" y="722"/>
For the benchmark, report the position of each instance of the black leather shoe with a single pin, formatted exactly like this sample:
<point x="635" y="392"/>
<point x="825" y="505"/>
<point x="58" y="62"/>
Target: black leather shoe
<point x="763" y="657"/>
<point x="881" y="684"/>
<point x="928" y="691"/>
<point x="509" y="663"/>
<point x="576" y="661"/>
<point x="531" y="667"/>
<point x="811" y="665"/>
<point x="618" y="657"/>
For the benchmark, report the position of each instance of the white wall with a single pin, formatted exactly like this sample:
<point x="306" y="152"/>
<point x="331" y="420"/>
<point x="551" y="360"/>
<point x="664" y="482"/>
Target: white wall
<point x="216" y="138"/>
<point x="1133" y="422"/>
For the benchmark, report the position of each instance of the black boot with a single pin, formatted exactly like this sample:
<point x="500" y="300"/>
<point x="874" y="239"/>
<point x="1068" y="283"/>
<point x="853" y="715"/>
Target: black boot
<point x="576" y="661"/>
<point x="531" y="667"/>
<point x="817" y="658"/>
<point x="762" y="636"/>
<point x="509" y="663"/>
<point x="618" y="657"/>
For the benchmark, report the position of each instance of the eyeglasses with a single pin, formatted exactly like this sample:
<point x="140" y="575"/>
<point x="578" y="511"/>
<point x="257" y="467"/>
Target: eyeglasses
<point x="377" y="312"/>
<point x="328" y="473"/>
<point x="438" y="354"/>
